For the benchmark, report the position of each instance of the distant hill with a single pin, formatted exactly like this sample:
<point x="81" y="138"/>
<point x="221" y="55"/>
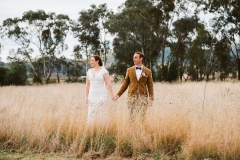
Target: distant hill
<point x="2" y="64"/>
<point x="110" y="60"/>
<point x="166" y="55"/>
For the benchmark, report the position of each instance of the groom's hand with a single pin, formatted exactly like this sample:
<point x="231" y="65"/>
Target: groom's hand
<point x="114" y="98"/>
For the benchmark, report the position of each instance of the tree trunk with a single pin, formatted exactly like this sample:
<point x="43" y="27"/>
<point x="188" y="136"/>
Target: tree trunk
<point x="238" y="69"/>
<point x="69" y="78"/>
<point x="181" y="77"/>
<point x="58" y="77"/>
<point x="86" y="61"/>
<point x="181" y="71"/>
<point x="48" y="76"/>
<point x="168" y="69"/>
<point x="46" y="80"/>
<point x="44" y="69"/>
<point x="105" y="55"/>
<point x="163" y="72"/>
<point x="33" y="68"/>
<point x="213" y="75"/>
<point x="207" y="77"/>
<point x="197" y="74"/>
<point x="105" y="58"/>
<point x="68" y="73"/>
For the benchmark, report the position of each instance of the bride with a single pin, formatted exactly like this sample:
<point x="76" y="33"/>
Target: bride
<point x="96" y="93"/>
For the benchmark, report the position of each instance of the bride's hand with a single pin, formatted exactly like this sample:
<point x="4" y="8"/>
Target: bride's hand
<point x="86" y="100"/>
<point x="113" y="98"/>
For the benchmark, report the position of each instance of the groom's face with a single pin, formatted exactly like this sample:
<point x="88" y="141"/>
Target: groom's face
<point x="137" y="60"/>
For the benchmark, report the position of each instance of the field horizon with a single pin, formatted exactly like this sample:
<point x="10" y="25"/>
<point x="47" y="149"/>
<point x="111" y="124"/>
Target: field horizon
<point x="190" y="120"/>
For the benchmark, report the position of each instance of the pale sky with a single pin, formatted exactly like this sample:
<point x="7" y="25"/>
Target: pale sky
<point x="16" y="8"/>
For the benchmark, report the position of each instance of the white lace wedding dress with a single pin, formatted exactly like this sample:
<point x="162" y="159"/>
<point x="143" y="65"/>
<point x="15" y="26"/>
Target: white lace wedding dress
<point x="97" y="98"/>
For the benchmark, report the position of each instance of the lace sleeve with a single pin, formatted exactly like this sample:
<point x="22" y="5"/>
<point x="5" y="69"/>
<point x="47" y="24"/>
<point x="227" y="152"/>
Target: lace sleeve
<point x="105" y="70"/>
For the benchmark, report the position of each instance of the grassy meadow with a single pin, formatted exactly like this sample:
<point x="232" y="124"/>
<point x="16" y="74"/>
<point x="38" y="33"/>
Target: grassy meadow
<point x="187" y="121"/>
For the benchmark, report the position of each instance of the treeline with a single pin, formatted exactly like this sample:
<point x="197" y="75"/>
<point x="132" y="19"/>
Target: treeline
<point x="18" y="72"/>
<point x="197" y="51"/>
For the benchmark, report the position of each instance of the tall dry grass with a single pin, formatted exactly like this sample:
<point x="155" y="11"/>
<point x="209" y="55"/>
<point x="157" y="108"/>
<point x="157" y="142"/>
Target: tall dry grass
<point x="189" y="121"/>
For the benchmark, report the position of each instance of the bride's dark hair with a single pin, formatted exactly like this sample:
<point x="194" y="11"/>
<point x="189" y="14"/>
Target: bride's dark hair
<point x="98" y="58"/>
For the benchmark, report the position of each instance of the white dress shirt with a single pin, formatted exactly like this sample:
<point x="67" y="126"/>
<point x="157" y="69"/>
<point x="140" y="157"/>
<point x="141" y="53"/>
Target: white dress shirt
<point x="138" y="72"/>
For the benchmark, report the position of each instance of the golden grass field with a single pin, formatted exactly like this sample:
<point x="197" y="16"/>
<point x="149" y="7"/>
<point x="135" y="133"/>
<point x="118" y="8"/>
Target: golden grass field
<point x="187" y="121"/>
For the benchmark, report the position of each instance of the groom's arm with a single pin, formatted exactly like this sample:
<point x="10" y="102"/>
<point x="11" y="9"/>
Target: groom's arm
<point x="150" y="85"/>
<point x="124" y="85"/>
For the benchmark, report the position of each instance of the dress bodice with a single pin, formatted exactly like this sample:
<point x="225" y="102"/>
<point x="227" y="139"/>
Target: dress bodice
<point x="97" y="84"/>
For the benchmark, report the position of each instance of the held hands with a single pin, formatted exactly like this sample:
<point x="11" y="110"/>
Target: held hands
<point x="114" y="98"/>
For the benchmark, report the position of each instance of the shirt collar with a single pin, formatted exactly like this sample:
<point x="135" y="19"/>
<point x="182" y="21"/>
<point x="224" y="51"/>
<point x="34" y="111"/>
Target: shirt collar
<point x="139" y="66"/>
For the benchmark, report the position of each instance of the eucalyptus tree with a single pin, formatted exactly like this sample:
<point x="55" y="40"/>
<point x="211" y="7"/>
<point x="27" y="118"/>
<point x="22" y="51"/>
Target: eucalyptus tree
<point x="67" y="65"/>
<point x="105" y="44"/>
<point x="201" y="55"/>
<point x="77" y="66"/>
<point x="123" y="51"/>
<point x="181" y="38"/>
<point x="45" y="31"/>
<point x="37" y="63"/>
<point x="225" y="61"/>
<point x="132" y="34"/>
<point x="226" y="22"/>
<point x="159" y="15"/>
<point x="86" y="30"/>
<point x="58" y="65"/>
<point x="72" y="68"/>
<point x="1" y="46"/>
<point x="210" y="54"/>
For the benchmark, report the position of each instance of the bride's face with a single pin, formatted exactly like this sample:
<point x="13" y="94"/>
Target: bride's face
<point x="93" y="62"/>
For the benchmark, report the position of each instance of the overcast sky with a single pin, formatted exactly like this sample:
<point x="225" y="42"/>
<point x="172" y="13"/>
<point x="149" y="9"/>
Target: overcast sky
<point x="16" y="8"/>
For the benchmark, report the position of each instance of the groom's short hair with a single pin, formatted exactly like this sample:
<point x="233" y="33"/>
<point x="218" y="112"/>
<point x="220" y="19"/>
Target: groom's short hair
<point x="140" y="54"/>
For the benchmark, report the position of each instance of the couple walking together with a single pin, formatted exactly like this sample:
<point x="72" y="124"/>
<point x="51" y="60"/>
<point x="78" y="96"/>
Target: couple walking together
<point x="138" y="80"/>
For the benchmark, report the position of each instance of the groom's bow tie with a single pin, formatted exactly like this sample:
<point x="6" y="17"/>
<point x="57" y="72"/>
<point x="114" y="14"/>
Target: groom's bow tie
<point x="140" y="68"/>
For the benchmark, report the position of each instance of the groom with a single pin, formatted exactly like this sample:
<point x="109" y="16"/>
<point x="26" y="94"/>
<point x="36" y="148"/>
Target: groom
<point x="139" y="80"/>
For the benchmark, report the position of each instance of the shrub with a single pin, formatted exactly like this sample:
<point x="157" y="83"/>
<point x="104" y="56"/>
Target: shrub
<point x="16" y="75"/>
<point x="3" y="72"/>
<point x="53" y="80"/>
